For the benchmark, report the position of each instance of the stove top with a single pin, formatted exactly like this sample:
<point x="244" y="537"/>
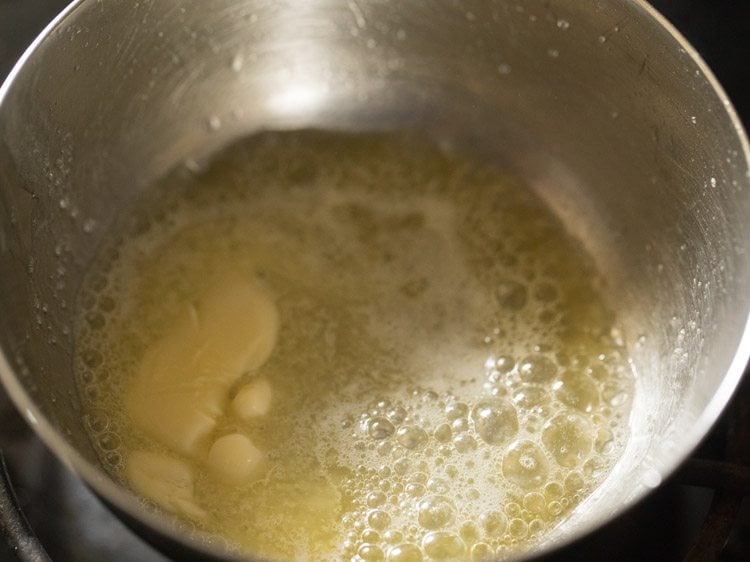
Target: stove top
<point x="683" y="520"/>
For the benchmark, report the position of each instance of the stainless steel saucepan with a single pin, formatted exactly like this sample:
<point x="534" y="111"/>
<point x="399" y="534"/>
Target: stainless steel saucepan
<point x="601" y="106"/>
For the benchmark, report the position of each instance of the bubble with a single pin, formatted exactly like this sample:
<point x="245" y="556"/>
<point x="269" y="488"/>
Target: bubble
<point x="392" y="537"/>
<point x="405" y="553"/>
<point x="451" y="471"/>
<point x="505" y="363"/>
<point x="113" y="459"/>
<point x="535" y="503"/>
<point x="511" y="295"/>
<point x="494" y="523"/>
<point x="567" y="437"/>
<point x="370" y="552"/>
<point x="518" y="528"/>
<point x="512" y="509"/>
<point x="553" y="491"/>
<point x="92" y="358"/>
<point x="537" y="368"/>
<point x="599" y="372"/>
<point x="397" y="415"/>
<point x="85" y="376"/>
<point x="380" y="428"/>
<point x="411" y="437"/>
<point x="604" y="441"/>
<point x="436" y="512"/>
<point x="438" y="485"/>
<point x="593" y="468"/>
<point x="89" y="225"/>
<point x="378" y="519"/>
<point x="384" y="448"/>
<point x="469" y="532"/>
<point x="494" y="390"/>
<point x="443" y="433"/>
<point x="574" y="483"/>
<point x="97" y="421"/>
<point x="530" y="396"/>
<point x="415" y="490"/>
<point x="464" y="443"/>
<point x="495" y="421"/>
<point x="481" y="552"/>
<point x="349" y="547"/>
<point x="460" y="424"/>
<point x="107" y="304"/>
<point x="109" y="441"/>
<point x="375" y="499"/>
<point x="441" y="545"/>
<point x="456" y="410"/>
<point x="91" y="392"/>
<point x="213" y="123"/>
<point x="370" y="535"/>
<point x="525" y="465"/>
<point x="99" y="282"/>
<point x="619" y="399"/>
<point x="577" y="390"/>
<point x="401" y="466"/>
<point x="420" y="477"/>
<point x="377" y="406"/>
<point x="537" y="527"/>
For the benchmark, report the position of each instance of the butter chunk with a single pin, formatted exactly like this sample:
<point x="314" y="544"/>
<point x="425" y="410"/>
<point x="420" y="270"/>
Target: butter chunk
<point x="182" y="383"/>
<point x="164" y="480"/>
<point x="252" y="400"/>
<point x="234" y="460"/>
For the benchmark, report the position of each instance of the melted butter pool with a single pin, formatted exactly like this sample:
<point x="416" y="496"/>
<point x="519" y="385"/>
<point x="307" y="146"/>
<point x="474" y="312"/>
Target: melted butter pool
<point x="330" y="346"/>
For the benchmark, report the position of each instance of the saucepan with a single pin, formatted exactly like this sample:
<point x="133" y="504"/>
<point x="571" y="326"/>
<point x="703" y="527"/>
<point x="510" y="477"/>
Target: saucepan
<point x="601" y="107"/>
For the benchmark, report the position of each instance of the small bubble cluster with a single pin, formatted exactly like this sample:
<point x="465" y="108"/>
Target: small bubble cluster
<point x="472" y="477"/>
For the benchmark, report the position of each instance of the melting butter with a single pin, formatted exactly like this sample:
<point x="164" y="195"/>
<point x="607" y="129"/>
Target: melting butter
<point x="182" y="385"/>
<point x="183" y="381"/>
<point x="165" y="480"/>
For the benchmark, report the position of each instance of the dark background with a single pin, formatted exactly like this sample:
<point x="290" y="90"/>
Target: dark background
<point x="720" y="31"/>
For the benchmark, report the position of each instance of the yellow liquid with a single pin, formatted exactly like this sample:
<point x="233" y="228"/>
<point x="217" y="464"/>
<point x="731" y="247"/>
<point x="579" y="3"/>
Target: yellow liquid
<point x="444" y="380"/>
